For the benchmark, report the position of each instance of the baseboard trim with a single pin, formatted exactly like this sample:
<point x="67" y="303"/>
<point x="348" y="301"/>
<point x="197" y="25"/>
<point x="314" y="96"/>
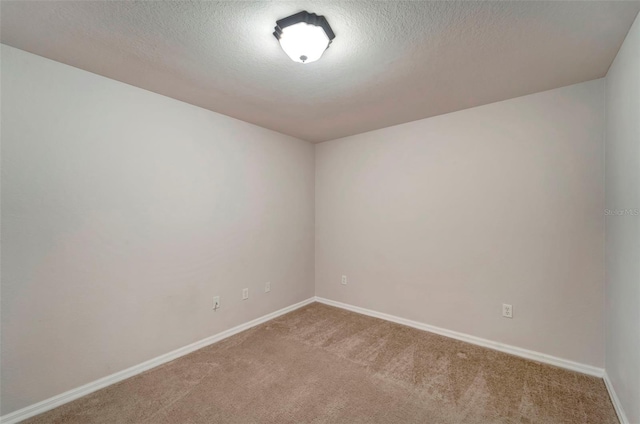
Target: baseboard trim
<point x="617" y="405"/>
<point x="73" y="394"/>
<point x="513" y="350"/>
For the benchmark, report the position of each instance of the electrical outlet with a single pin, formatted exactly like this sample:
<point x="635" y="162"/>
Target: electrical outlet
<point x="267" y="287"/>
<point x="245" y="294"/>
<point x="344" y="280"/>
<point x="507" y="310"/>
<point x="216" y="302"/>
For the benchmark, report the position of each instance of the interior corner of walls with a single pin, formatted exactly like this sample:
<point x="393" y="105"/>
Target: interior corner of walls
<point x="617" y="404"/>
<point x="622" y="249"/>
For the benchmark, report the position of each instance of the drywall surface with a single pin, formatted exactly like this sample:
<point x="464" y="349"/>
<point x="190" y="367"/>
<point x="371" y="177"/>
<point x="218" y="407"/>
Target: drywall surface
<point x="391" y="61"/>
<point x="123" y="213"/>
<point x="443" y="220"/>
<point x="622" y="164"/>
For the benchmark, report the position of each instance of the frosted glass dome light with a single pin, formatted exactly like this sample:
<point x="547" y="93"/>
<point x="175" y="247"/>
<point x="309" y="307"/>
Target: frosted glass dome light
<point x="304" y="36"/>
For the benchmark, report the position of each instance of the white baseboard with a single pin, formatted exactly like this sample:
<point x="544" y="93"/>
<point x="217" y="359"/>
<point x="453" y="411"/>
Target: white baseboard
<point x="61" y="399"/>
<point x="513" y="350"/>
<point x="615" y="400"/>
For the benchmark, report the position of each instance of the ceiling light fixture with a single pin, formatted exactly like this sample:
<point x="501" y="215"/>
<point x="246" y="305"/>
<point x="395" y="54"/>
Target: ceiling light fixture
<point x="304" y="36"/>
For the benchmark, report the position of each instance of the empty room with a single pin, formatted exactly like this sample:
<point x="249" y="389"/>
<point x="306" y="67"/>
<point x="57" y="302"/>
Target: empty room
<point x="320" y="212"/>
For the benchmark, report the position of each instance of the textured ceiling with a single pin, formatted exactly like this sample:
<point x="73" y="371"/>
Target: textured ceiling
<point x="391" y="61"/>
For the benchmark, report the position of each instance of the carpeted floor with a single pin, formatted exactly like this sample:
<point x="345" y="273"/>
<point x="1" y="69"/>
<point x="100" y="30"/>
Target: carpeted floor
<point x="320" y="364"/>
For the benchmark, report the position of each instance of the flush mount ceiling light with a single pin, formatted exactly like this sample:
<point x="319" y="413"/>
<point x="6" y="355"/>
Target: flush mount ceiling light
<point x="304" y="36"/>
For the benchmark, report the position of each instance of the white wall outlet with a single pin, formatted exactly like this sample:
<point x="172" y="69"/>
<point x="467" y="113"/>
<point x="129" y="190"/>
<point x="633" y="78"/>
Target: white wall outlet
<point x="245" y="294"/>
<point x="267" y="287"/>
<point x="216" y="302"/>
<point x="507" y="310"/>
<point x="344" y="280"/>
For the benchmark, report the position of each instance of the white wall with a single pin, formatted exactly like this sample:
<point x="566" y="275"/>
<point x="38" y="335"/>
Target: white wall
<point x="623" y="231"/>
<point x="444" y="219"/>
<point x="123" y="213"/>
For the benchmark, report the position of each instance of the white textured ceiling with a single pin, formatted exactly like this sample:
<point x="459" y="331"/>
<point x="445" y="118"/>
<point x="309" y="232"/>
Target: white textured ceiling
<point x="391" y="61"/>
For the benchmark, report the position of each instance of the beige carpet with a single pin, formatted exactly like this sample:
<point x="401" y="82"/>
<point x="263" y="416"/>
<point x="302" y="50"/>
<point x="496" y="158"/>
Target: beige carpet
<point x="324" y="365"/>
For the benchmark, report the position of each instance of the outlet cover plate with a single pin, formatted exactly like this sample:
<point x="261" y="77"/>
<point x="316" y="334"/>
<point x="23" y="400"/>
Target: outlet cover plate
<point x="507" y="310"/>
